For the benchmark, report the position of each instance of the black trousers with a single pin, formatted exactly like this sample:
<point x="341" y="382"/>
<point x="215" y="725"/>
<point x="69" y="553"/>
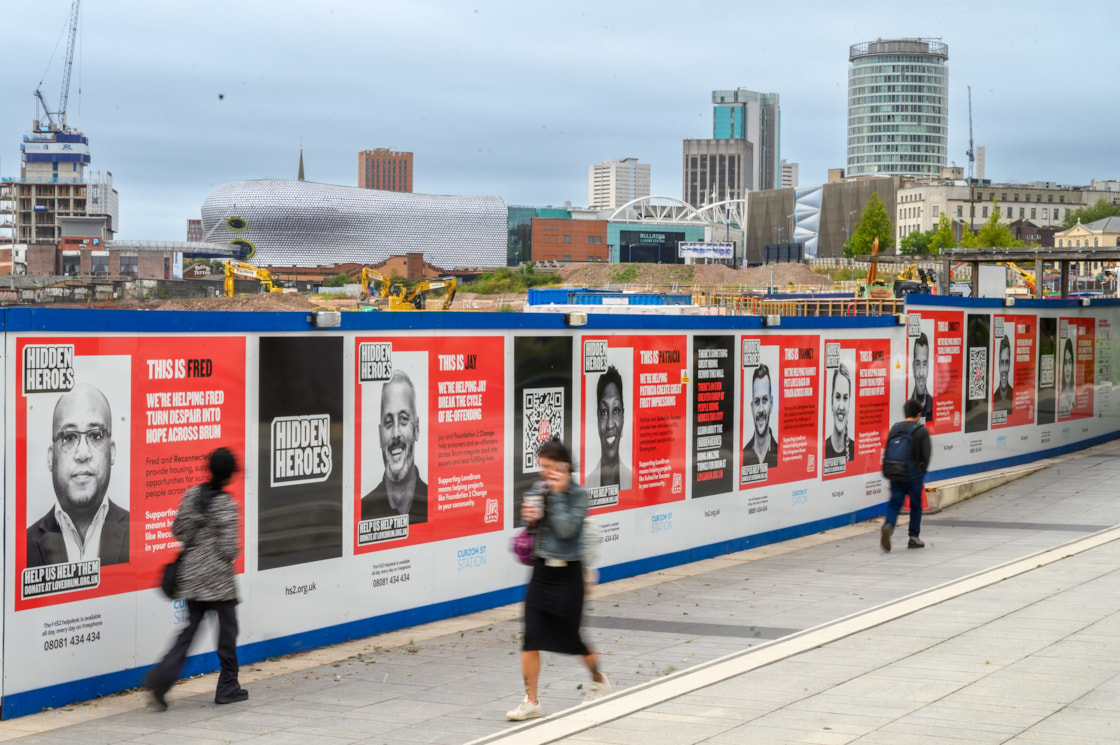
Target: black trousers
<point x="163" y="675"/>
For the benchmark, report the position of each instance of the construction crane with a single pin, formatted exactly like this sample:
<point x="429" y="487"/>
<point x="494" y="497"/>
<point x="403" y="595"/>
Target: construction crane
<point x="971" y="163"/>
<point x="56" y="120"/>
<point x="971" y="152"/>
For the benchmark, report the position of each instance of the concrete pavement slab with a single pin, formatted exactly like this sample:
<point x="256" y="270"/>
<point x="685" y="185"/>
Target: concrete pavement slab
<point x="453" y="680"/>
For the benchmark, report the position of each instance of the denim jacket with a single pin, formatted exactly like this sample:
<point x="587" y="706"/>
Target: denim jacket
<point x="558" y="532"/>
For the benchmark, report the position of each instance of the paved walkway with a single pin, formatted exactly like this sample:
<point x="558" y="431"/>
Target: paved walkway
<point x="1006" y="628"/>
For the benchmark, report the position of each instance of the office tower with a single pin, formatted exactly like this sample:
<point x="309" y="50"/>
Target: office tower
<point x="716" y="170"/>
<point x="756" y="117"/>
<point x="385" y="169"/>
<point x="613" y="183"/>
<point x="104" y="199"/>
<point x="898" y="108"/>
<point x="744" y="151"/>
<point x="789" y="175"/>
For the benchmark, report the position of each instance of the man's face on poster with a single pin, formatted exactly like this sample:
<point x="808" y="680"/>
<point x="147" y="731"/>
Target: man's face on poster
<point x="761" y="405"/>
<point x="841" y="401"/>
<point x="611" y="416"/>
<point x="921" y="368"/>
<point x="1004" y="366"/>
<point x="82" y="450"/>
<point x="399" y="429"/>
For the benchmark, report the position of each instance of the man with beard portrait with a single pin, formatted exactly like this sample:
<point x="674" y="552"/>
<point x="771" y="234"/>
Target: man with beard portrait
<point x="402" y="491"/>
<point x="763" y="445"/>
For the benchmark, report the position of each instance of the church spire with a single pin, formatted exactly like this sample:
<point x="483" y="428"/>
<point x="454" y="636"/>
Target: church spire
<point x="300" y="177"/>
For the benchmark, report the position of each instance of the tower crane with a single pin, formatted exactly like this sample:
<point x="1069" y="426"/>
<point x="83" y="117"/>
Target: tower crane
<point x="971" y="153"/>
<point x="56" y="120"/>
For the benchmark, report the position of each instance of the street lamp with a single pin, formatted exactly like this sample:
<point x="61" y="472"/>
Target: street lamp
<point x="779" y="228"/>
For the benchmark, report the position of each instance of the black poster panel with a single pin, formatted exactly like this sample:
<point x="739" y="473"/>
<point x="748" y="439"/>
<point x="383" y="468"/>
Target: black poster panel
<point x="713" y="401"/>
<point x="1047" y="370"/>
<point x="300" y="464"/>
<point x="542" y="404"/>
<point x="977" y="365"/>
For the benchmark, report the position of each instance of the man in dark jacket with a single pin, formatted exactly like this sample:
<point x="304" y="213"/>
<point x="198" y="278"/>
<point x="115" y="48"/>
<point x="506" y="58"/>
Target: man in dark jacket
<point x="912" y="488"/>
<point x="84" y="523"/>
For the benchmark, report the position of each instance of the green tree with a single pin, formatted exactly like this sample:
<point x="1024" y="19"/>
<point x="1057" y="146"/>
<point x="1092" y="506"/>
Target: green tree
<point x="994" y="234"/>
<point x="968" y="238"/>
<point x="337" y="280"/>
<point x="873" y="223"/>
<point x="1098" y="211"/>
<point x="943" y="236"/>
<point x="917" y="242"/>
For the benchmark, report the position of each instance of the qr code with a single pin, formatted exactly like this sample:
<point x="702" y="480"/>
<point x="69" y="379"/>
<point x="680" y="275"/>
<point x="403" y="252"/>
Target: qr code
<point x="543" y="419"/>
<point x="977" y="374"/>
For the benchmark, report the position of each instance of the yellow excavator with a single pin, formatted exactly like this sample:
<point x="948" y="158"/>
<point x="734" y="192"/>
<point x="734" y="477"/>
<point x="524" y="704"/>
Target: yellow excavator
<point x="369" y="276"/>
<point x="415" y="297"/>
<point x="914" y="280"/>
<point x="236" y="268"/>
<point x="1027" y="277"/>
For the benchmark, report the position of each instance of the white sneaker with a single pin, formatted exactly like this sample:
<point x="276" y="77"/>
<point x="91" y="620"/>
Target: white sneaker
<point x="524" y="710"/>
<point x="598" y="690"/>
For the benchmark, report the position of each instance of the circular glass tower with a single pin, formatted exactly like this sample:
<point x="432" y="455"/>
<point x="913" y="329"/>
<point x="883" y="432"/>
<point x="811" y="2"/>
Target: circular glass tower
<point x="898" y="108"/>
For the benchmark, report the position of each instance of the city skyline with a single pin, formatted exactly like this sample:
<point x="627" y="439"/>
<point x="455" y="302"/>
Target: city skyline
<point x="176" y="103"/>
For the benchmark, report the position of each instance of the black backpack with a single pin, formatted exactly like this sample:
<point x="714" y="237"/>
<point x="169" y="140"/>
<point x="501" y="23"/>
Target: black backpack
<point x="898" y="456"/>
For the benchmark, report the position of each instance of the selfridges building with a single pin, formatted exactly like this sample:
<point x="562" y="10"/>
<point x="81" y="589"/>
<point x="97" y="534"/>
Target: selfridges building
<point x="274" y="222"/>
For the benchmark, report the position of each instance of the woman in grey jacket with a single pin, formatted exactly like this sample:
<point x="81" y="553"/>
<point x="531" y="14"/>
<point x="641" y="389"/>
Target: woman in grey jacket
<point x="554" y="598"/>
<point x="207" y="525"/>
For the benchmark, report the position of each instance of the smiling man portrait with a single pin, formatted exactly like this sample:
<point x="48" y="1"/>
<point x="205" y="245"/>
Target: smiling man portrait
<point x="402" y="491"/>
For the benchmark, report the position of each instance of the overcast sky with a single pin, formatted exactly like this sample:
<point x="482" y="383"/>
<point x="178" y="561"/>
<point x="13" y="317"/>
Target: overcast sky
<point x="515" y="98"/>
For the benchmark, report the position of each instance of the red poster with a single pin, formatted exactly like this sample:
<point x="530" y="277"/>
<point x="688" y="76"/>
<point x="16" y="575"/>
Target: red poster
<point x="936" y="364"/>
<point x="109" y="434"/>
<point x="780" y="381"/>
<point x="428" y="438"/>
<point x="634" y="435"/>
<point x="1014" y="359"/>
<point x="856" y="405"/>
<point x="1076" y="341"/>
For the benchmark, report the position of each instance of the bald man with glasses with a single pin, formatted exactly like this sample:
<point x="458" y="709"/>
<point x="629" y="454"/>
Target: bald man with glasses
<point x="84" y="524"/>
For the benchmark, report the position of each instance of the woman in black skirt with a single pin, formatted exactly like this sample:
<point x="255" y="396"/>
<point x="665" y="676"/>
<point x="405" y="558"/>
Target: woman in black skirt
<point x="554" y="599"/>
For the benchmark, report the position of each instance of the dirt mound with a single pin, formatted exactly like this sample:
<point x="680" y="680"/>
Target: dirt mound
<point x="663" y="276"/>
<point x="266" y="301"/>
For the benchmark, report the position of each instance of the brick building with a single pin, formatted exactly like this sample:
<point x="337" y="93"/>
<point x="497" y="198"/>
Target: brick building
<point x="558" y="239"/>
<point x="385" y="169"/>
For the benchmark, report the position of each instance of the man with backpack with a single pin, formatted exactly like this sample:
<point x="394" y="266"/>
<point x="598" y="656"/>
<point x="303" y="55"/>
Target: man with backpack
<point x="905" y="462"/>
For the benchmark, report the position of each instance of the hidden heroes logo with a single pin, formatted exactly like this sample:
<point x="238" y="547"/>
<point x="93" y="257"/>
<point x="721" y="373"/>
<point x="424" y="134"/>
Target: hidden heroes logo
<point x="301" y="449"/>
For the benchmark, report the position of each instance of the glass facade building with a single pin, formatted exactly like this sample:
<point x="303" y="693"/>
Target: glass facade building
<point x="898" y="108"/>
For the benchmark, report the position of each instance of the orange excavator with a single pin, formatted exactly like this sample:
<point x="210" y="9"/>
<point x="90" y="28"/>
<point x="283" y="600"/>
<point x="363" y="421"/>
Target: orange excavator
<point x="872" y="289"/>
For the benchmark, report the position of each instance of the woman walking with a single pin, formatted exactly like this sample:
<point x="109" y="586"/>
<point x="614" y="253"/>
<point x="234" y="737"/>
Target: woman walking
<point x="207" y="525"/>
<point x="554" y="599"/>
